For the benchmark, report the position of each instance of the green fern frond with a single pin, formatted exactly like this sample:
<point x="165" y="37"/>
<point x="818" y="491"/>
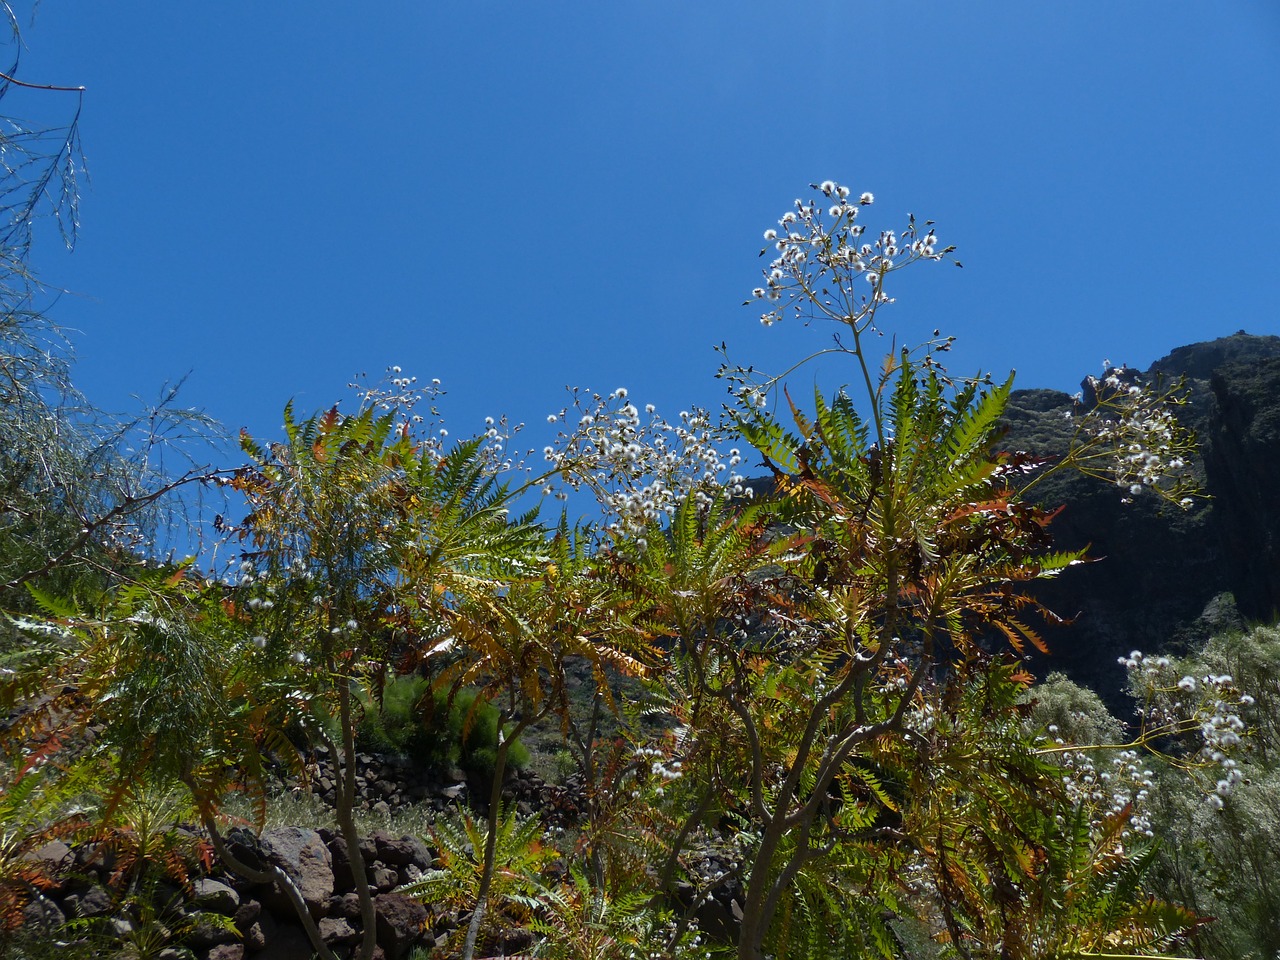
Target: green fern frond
<point x="974" y="426"/>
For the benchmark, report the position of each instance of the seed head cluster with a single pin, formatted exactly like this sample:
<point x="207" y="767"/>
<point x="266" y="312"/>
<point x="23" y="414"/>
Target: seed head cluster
<point x="822" y="251"/>
<point x="1205" y="710"/>
<point x="639" y="465"/>
<point x="1132" y="437"/>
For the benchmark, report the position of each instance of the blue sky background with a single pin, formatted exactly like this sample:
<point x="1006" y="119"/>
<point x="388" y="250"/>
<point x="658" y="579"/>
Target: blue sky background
<point x="514" y="197"/>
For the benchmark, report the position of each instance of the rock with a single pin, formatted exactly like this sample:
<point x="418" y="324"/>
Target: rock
<point x="302" y="855"/>
<point x="255" y="938"/>
<point x="343" y="879"/>
<point x="400" y="923"/>
<point x="247" y="913"/>
<point x="347" y="905"/>
<point x="516" y="941"/>
<point x="396" y="851"/>
<point x="169" y="898"/>
<point x="211" y="895"/>
<point x="338" y="932"/>
<point x="1160" y="566"/>
<point x="210" y="929"/>
<point x="1242" y="458"/>
<point x="120" y="928"/>
<point x="52" y="859"/>
<point x="381" y="808"/>
<point x="338" y="846"/>
<point x="41" y="913"/>
<point x="383" y="877"/>
<point x="225" y="951"/>
<point x="715" y="919"/>
<point x="287" y="942"/>
<point x="87" y="859"/>
<point x="94" y="901"/>
<point x="245" y="847"/>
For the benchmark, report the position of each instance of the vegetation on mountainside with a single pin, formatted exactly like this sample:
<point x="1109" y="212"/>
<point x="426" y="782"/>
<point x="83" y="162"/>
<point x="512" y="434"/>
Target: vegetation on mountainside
<point x="848" y="747"/>
<point x="828" y="659"/>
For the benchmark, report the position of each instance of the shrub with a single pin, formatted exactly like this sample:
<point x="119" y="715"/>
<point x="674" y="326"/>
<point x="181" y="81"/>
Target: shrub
<point x="436" y="734"/>
<point x="479" y="740"/>
<point x="396" y="724"/>
<point x="1071" y="712"/>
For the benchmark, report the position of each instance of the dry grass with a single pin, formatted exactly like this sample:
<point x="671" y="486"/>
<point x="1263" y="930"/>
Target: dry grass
<point x="290" y="809"/>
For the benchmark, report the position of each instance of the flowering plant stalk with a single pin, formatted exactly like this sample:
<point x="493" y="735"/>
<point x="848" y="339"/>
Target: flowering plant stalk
<point x="829" y="643"/>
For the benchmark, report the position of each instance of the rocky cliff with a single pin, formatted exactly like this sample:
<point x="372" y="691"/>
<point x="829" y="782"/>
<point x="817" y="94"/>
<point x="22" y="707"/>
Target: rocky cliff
<point x="1160" y="573"/>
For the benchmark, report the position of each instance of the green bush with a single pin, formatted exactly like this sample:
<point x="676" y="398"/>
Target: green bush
<point x="425" y="726"/>
<point x="1221" y="863"/>
<point x="398" y="724"/>
<point x="1071" y="712"/>
<point x="479" y="741"/>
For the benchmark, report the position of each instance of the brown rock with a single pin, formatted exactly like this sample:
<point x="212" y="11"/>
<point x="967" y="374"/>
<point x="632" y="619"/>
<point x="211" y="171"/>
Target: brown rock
<point x="383" y="877"/>
<point x="255" y="938"/>
<point x="516" y="941"/>
<point x="287" y="942"/>
<point x="338" y="932"/>
<point x="211" y="929"/>
<point x="400" y="923"/>
<point x="247" y="913"/>
<point x="302" y="855"/>
<point x="344" y="880"/>
<point x="347" y="905"/>
<point x="401" y="851"/>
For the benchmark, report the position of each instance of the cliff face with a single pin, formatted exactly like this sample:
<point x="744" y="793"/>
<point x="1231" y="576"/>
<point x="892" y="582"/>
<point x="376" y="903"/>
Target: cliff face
<point x="1163" y="579"/>
<point x="1158" y="568"/>
<point x="1242" y="459"/>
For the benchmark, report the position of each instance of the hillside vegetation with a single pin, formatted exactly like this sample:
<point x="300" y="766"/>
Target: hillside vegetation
<point x="795" y="718"/>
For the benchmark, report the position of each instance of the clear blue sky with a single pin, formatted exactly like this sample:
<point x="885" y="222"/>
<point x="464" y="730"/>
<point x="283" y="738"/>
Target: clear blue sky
<point x="513" y="197"/>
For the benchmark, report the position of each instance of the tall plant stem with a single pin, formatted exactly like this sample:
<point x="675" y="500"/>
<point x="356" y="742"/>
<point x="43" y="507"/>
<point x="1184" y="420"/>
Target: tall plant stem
<point x="491" y="840"/>
<point x="347" y="823"/>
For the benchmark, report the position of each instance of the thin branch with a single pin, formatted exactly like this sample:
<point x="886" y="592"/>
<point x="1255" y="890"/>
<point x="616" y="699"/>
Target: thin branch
<point x="667" y="873"/>
<point x="38" y="86"/>
<point x="124" y="508"/>
<point x="803" y="856"/>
